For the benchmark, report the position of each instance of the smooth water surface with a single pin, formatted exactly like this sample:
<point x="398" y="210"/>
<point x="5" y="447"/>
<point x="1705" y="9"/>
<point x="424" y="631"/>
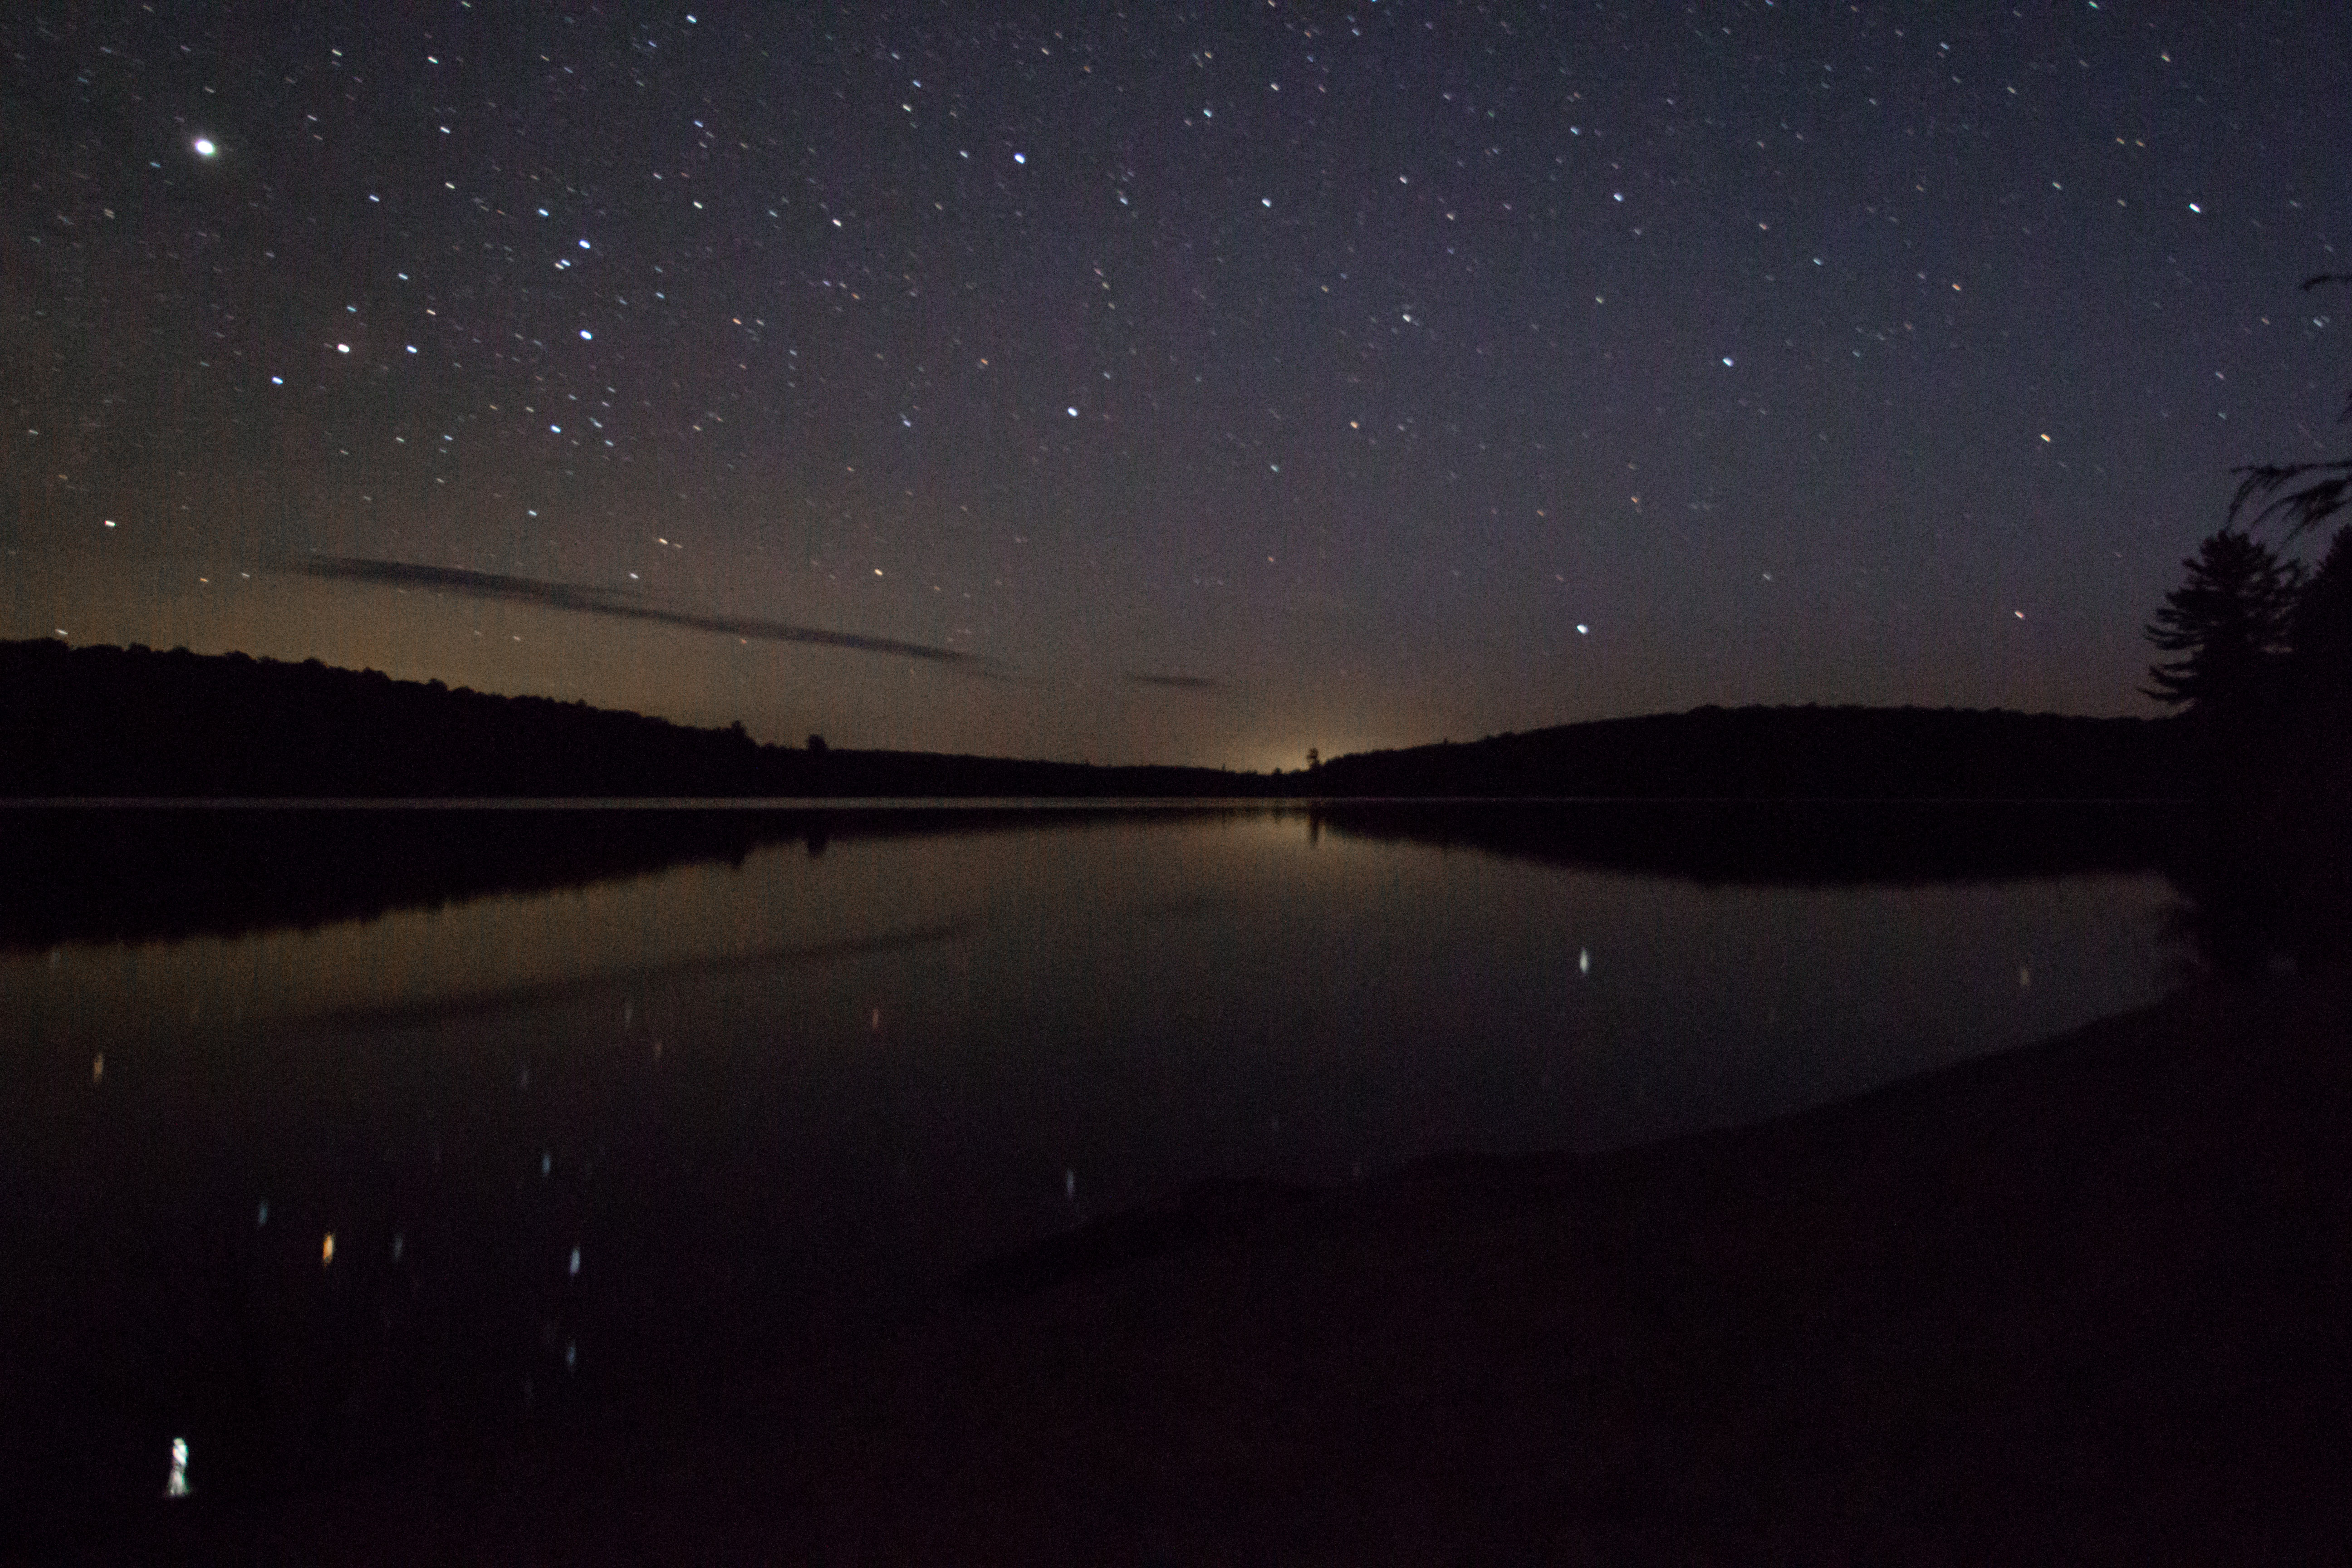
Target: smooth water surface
<point x="315" y="1200"/>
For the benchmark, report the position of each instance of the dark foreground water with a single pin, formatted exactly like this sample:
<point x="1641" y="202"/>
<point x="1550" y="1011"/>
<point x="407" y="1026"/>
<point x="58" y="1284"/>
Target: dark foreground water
<point x="625" y="1155"/>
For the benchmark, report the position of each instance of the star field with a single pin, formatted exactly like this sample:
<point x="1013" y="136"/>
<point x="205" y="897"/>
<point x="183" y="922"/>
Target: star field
<point x="1222" y="380"/>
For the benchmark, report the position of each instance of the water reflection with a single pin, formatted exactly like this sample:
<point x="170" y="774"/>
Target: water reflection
<point x="94" y="873"/>
<point x="2259" y="894"/>
<point x="1796" y="843"/>
<point x="647" y="1151"/>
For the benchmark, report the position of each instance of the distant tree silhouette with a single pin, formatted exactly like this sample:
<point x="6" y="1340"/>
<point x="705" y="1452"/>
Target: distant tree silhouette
<point x="1788" y="754"/>
<point x="113" y="722"/>
<point x="2319" y="634"/>
<point x="2320" y="661"/>
<point x="2266" y="649"/>
<point x="2227" y="623"/>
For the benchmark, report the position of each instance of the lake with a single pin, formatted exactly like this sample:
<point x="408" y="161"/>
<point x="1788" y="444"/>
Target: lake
<point x="628" y="1147"/>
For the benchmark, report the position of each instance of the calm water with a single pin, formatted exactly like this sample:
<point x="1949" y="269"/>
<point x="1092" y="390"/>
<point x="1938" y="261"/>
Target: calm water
<point x="316" y="1200"/>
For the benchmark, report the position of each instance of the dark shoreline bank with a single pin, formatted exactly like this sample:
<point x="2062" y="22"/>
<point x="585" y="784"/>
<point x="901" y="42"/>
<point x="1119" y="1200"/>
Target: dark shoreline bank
<point x="2083" y="1300"/>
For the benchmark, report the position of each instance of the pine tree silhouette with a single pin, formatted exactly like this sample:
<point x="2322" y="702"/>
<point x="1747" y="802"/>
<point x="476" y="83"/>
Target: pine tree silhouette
<point x="2228" y="624"/>
<point x="2319" y="636"/>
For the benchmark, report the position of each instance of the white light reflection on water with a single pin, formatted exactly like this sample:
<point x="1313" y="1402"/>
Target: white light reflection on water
<point x="1159" y="1001"/>
<point x="1223" y="938"/>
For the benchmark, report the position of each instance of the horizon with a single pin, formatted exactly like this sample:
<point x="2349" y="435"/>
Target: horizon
<point x="1123" y="389"/>
<point x="1306" y="765"/>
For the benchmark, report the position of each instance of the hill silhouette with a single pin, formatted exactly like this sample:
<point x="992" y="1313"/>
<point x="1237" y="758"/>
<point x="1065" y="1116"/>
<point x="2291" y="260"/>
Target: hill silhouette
<point x="1788" y="754"/>
<point x="132" y="723"/>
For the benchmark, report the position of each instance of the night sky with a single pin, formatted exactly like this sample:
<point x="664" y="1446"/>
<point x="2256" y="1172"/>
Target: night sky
<point x="1182" y="383"/>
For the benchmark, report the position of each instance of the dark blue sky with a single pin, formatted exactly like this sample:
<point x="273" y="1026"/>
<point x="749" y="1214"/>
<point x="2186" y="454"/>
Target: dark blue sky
<point x="1224" y="380"/>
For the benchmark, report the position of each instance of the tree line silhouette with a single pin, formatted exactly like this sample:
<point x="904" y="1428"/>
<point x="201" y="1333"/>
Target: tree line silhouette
<point x="2258" y="640"/>
<point x="1789" y="754"/>
<point x="2259" y="647"/>
<point x="132" y="723"/>
<point x="2261" y="667"/>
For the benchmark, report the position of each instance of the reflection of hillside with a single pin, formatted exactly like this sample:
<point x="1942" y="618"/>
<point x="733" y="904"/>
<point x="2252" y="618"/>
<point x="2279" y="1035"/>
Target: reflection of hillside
<point x="111" y="874"/>
<point x="1803" y="842"/>
<point x="100" y="874"/>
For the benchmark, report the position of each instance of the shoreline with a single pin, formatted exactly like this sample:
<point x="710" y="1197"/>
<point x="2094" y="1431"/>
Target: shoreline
<point x="2083" y="1300"/>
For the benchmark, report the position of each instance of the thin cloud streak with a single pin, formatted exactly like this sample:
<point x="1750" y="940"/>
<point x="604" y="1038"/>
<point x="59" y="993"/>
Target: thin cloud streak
<point x="457" y="580"/>
<point x="1174" y="682"/>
